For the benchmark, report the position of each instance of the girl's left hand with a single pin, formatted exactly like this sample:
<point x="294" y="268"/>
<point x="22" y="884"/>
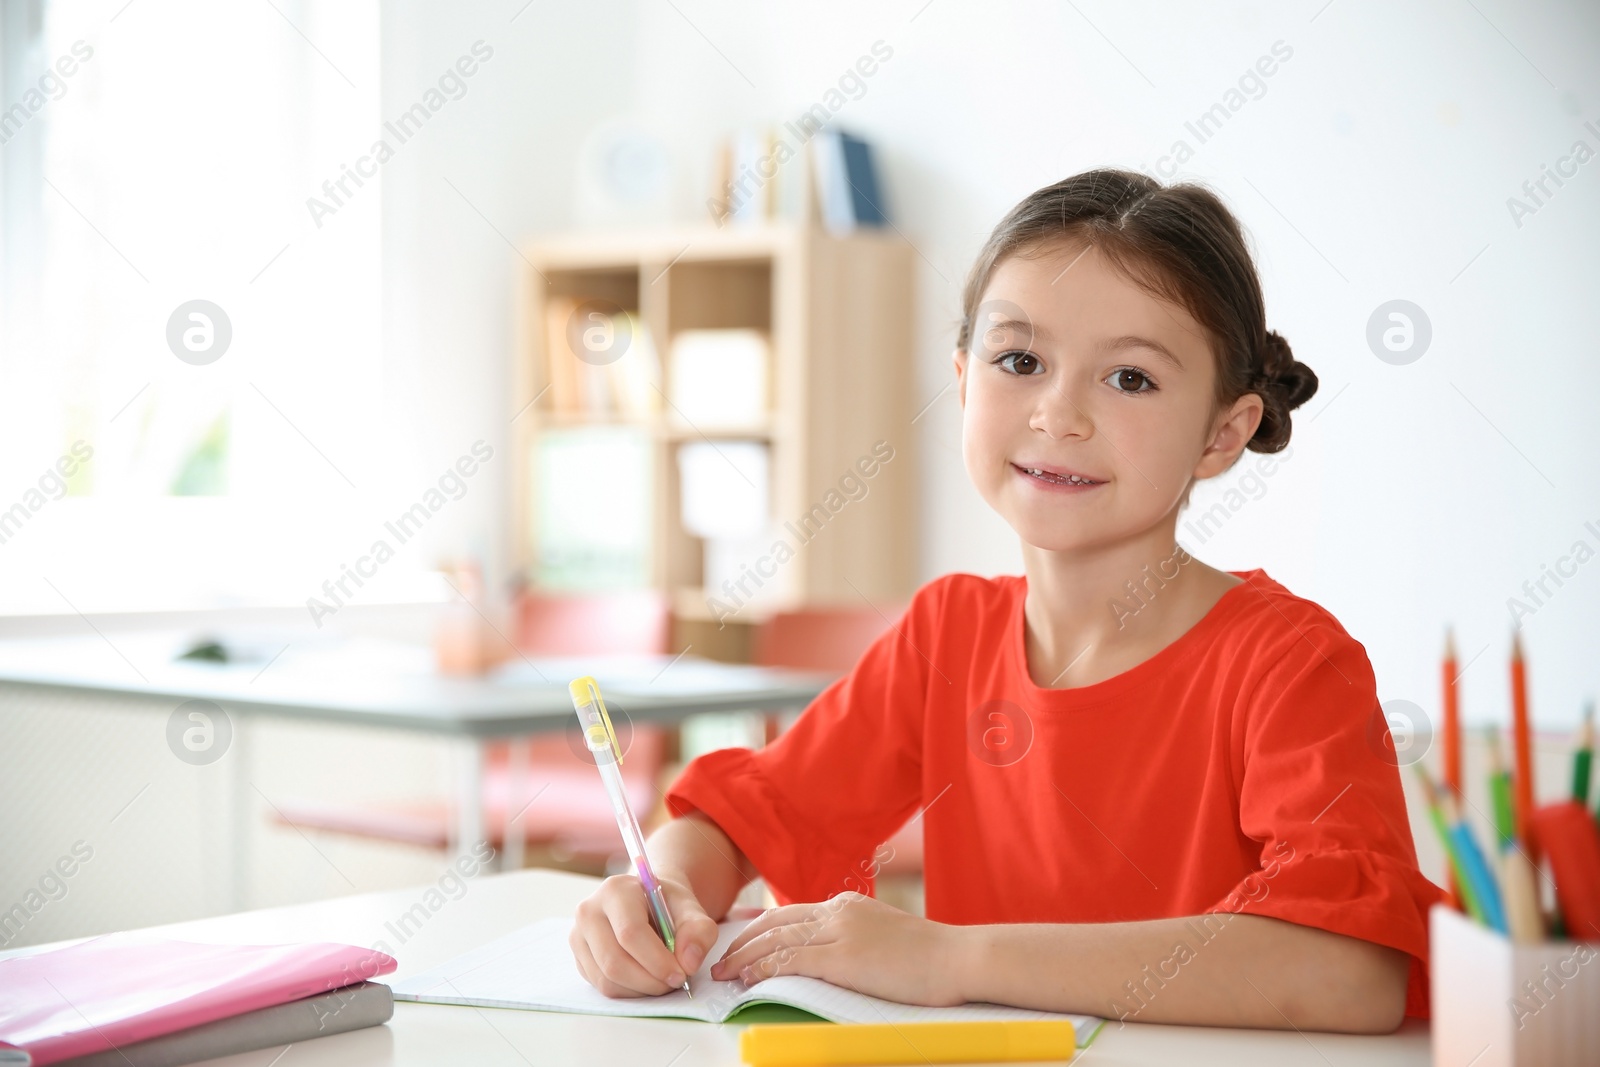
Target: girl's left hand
<point x="854" y="941"/>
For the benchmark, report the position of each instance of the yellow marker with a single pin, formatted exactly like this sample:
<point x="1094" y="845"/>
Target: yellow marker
<point x="816" y="1044"/>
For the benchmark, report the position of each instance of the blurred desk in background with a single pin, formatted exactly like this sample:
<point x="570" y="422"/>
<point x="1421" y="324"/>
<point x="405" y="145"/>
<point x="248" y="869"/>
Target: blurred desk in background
<point x="387" y="685"/>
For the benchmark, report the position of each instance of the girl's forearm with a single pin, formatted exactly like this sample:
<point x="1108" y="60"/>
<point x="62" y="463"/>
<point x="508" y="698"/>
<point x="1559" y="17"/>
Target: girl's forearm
<point x="1222" y="969"/>
<point x="695" y="851"/>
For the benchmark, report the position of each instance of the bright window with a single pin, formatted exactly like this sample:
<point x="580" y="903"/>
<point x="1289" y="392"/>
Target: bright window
<point x="156" y="154"/>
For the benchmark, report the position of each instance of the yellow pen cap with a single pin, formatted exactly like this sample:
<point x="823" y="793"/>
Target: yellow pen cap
<point x="586" y="691"/>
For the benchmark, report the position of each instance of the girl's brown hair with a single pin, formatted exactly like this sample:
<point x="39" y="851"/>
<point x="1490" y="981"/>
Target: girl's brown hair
<point x="1180" y="244"/>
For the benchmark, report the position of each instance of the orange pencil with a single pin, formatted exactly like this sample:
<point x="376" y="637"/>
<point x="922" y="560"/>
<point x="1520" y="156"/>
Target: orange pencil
<point x="1452" y="740"/>
<point x="1522" y="741"/>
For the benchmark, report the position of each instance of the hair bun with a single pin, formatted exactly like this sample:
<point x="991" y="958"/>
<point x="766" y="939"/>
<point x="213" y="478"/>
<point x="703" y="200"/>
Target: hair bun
<point x="1283" y="383"/>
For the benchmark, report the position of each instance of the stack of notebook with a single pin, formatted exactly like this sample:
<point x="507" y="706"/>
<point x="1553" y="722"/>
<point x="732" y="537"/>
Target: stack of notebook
<point x="137" y="1001"/>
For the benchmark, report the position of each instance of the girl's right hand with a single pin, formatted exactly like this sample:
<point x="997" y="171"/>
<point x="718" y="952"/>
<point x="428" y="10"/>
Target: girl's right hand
<point x="618" y="951"/>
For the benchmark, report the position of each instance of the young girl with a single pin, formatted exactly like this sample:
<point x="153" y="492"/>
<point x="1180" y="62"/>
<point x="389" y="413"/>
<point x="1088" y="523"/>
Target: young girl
<point x="1149" y="789"/>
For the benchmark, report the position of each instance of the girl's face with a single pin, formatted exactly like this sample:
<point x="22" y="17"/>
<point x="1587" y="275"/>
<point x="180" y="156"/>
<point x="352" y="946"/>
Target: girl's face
<point x="1074" y="370"/>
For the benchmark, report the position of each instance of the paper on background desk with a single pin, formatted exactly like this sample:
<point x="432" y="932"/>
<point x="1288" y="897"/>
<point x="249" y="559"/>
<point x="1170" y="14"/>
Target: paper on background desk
<point x="658" y="676"/>
<point x="533" y="968"/>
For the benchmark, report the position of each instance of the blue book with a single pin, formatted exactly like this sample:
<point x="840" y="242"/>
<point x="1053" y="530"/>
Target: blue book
<point x="847" y="182"/>
<point x="865" y="196"/>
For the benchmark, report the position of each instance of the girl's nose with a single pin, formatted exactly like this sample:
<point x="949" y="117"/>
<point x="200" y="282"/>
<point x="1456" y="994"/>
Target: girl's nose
<point x="1060" y="414"/>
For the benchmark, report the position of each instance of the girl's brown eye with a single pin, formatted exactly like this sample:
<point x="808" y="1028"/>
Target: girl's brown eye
<point x="1018" y="362"/>
<point x="1132" y="380"/>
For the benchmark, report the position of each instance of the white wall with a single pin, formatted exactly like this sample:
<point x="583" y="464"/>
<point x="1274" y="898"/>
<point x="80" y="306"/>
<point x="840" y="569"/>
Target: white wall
<point x="506" y="147"/>
<point x="1376" y="165"/>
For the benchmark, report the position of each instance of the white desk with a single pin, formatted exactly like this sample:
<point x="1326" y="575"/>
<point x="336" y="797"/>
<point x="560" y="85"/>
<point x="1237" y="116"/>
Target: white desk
<point x="494" y="904"/>
<point x="394" y="685"/>
<point x="388" y="685"/>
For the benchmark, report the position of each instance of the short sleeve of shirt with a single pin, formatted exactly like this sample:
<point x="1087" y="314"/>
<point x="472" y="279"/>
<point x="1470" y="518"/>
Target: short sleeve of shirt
<point x="1320" y="792"/>
<point x="809" y="809"/>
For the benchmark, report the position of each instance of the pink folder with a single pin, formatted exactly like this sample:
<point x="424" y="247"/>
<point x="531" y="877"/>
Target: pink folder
<point x="121" y="988"/>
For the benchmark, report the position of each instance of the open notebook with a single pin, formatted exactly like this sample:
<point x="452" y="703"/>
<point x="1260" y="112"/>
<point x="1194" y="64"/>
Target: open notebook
<point x="533" y="968"/>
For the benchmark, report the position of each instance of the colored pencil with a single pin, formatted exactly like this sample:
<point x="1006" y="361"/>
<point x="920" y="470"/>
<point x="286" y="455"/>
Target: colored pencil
<point x="1522" y="753"/>
<point x="1521" y="896"/>
<point x="1500" y="791"/>
<point x="1476" y="867"/>
<point x="1452" y="734"/>
<point x="1583" y="757"/>
<point x="1452" y="718"/>
<point x="1451" y="843"/>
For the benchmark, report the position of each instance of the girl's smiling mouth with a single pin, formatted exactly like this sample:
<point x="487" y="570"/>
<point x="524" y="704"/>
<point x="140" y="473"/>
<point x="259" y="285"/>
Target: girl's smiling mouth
<point x="1056" y="478"/>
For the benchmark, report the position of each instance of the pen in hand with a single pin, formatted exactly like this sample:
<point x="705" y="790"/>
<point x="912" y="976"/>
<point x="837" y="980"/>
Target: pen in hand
<point x="601" y="739"/>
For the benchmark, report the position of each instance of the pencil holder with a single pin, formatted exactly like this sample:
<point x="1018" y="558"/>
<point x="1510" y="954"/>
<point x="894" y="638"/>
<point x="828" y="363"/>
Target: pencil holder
<point x="1500" y="1004"/>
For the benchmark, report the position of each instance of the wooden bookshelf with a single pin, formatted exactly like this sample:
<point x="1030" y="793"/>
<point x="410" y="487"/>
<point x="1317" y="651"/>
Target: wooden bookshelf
<point x="838" y="315"/>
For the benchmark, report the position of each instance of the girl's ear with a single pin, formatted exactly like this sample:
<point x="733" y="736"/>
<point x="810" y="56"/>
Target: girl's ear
<point x="1229" y="436"/>
<point x="959" y="358"/>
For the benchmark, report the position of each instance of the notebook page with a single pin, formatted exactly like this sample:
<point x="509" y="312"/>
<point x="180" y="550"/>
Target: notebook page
<point x="533" y="968"/>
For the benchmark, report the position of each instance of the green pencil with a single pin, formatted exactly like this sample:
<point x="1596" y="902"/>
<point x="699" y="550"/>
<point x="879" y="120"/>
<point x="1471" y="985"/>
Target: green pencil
<point x="1469" y="896"/>
<point x="1500" y="792"/>
<point x="1583" y="757"/>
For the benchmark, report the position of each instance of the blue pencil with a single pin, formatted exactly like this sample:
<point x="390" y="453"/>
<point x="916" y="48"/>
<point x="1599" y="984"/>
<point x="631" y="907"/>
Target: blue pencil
<point x="1477" y="868"/>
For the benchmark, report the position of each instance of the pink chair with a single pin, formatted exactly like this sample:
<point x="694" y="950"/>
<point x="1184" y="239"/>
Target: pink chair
<point x="833" y="639"/>
<point x="626" y="622"/>
<point x="821" y="639"/>
<point x="559" y="797"/>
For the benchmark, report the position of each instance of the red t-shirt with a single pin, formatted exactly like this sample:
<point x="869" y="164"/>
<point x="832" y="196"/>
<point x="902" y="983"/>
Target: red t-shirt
<point x="1239" y="769"/>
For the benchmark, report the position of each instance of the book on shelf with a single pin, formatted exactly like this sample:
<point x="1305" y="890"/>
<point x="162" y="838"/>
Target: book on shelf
<point x="752" y="159"/>
<point x="848" y="190"/>
<point x="599" y="361"/>
<point x="759" y="174"/>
